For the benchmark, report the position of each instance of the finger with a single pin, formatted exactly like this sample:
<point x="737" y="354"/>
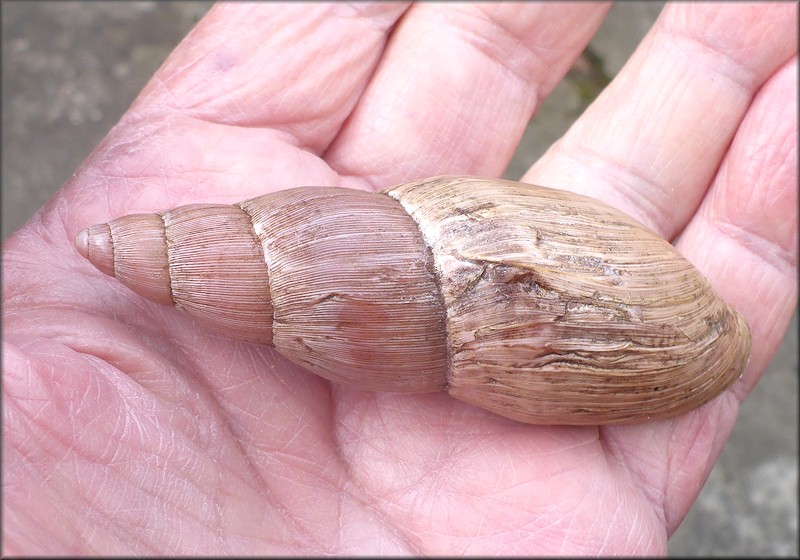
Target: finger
<point x="283" y="77"/>
<point x="457" y="86"/>
<point x="750" y="219"/>
<point x="652" y="141"/>
<point x="295" y="67"/>
<point x="744" y="239"/>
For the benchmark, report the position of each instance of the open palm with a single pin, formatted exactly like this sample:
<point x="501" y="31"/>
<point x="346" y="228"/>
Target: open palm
<point x="129" y="428"/>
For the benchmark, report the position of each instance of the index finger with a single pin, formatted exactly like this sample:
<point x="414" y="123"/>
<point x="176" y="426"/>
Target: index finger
<point x="652" y="141"/>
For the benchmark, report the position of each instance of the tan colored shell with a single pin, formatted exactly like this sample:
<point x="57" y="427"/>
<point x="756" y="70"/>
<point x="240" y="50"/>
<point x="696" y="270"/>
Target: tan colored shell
<point x="540" y="305"/>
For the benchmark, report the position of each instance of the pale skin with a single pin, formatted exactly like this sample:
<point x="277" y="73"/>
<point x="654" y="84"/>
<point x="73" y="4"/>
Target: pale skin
<point x="131" y="429"/>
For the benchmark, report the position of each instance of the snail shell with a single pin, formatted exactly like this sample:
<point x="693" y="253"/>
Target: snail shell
<point x="538" y="304"/>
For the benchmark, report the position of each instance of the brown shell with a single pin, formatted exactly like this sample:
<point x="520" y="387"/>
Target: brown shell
<point x="540" y="305"/>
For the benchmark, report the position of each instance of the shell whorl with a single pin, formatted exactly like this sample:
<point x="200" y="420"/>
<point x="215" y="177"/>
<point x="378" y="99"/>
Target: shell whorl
<point x="540" y="305"/>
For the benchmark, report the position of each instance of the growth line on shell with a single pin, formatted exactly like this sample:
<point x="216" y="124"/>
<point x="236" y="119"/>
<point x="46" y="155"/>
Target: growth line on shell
<point x="435" y="274"/>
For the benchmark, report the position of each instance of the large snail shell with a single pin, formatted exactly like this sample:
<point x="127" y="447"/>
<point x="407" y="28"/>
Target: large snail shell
<point x="541" y="305"/>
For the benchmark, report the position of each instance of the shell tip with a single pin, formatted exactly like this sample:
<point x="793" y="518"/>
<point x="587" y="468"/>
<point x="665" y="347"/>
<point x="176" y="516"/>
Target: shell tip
<point x="96" y="246"/>
<point x="82" y="243"/>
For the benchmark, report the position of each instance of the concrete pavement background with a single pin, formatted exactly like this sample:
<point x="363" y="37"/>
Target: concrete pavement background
<point x="70" y="69"/>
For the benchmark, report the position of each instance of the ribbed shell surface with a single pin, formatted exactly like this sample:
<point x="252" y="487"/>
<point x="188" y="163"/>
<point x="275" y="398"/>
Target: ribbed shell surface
<point x="353" y="288"/>
<point x="540" y="305"/>
<point x="563" y="310"/>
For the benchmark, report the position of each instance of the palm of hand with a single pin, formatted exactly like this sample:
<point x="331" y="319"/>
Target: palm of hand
<point x="129" y="427"/>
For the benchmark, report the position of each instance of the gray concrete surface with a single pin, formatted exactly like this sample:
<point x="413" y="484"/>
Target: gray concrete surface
<point x="70" y="69"/>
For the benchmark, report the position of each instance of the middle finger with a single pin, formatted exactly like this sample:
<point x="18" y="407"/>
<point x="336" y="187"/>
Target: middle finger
<point x="456" y="87"/>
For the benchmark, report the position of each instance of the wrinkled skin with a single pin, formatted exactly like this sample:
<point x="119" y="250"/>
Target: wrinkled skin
<point x="130" y="429"/>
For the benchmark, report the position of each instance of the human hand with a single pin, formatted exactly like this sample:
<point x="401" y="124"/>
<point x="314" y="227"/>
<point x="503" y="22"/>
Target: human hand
<point x="129" y="428"/>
